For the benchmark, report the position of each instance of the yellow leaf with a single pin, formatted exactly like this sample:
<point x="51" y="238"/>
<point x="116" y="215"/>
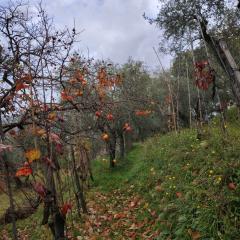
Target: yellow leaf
<point x="32" y="155"/>
<point x="52" y="116"/>
<point x="40" y="132"/>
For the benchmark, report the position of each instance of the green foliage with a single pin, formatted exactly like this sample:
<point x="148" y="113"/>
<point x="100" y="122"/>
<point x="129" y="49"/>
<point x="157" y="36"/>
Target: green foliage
<point x="179" y="18"/>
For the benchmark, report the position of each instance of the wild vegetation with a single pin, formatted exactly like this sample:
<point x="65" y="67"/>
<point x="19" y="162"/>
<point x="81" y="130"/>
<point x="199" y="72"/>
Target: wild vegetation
<point x="91" y="149"/>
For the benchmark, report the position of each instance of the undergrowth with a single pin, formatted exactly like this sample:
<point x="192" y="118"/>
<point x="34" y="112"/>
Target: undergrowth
<point x="192" y="184"/>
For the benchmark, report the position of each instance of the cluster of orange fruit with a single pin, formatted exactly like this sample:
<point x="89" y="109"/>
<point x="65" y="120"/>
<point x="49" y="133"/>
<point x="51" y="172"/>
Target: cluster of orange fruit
<point x="108" y="81"/>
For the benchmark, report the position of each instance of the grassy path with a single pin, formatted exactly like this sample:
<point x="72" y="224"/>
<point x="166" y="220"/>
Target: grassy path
<point x="116" y="209"/>
<point x="117" y="216"/>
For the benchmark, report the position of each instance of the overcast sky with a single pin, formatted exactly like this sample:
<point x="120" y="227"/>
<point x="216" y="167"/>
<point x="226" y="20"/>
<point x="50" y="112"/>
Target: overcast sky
<point x="113" y="29"/>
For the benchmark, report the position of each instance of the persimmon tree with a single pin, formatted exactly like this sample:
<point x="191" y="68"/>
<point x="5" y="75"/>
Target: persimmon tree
<point x="33" y="56"/>
<point x="93" y="85"/>
<point x="110" y="100"/>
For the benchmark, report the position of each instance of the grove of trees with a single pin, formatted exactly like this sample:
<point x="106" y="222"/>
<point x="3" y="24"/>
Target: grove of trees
<point x="59" y="110"/>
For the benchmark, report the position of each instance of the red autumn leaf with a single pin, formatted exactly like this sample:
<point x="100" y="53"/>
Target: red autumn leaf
<point x="201" y="84"/>
<point x="40" y="189"/>
<point x="66" y="207"/>
<point x="195" y="235"/>
<point x="142" y="113"/>
<point x="98" y="113"/>
<point x="44" y="107"/>
<point x="132" y="235"/>
<point x="12" y="132"/>
<point x="179" y="194"/>
<point x="202" y="64"/>
<point x="133" y="204"/>
<point x="24" y="171"/>
<point x="119" y="215"/>
<point x="20" y="86"/>
<point x="66" y="97"/>
<point x="84" y="82"/>
<point x="79" y="76"/>
<point x="232" y="186"/>
<point x="73" y="80"/>
<point x="59" y="148"/>
<point x="127" y="127"/>
<point x="102" y="77"/>
<point x="55" y="138"/>
<point x="204" y="75"/>
<point x="153" y="213"/>
<point x="109" y="117"/>
<point x="26" y="78"/>
<point x="79" y="93"/>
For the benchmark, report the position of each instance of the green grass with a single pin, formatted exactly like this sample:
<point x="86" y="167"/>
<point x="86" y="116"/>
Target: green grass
<point x="106" y="179"/>
<point x="31" y="224"/>
<point x="185" y="180"/>
<point x="19" y="199"/>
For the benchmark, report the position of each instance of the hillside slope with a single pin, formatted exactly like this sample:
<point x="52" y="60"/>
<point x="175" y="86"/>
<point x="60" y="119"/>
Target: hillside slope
<point x="169" y="187"/>
<point x="191" y="185"/>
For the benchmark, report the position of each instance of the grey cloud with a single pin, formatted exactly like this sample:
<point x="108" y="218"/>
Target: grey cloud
<point x="114" y="29"/>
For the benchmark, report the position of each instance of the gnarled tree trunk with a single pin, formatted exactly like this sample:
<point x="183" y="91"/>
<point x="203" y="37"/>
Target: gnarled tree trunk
<point x="4" y="163"/>
<point x="79" y="194"/>
<point x="226" y="60"/>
